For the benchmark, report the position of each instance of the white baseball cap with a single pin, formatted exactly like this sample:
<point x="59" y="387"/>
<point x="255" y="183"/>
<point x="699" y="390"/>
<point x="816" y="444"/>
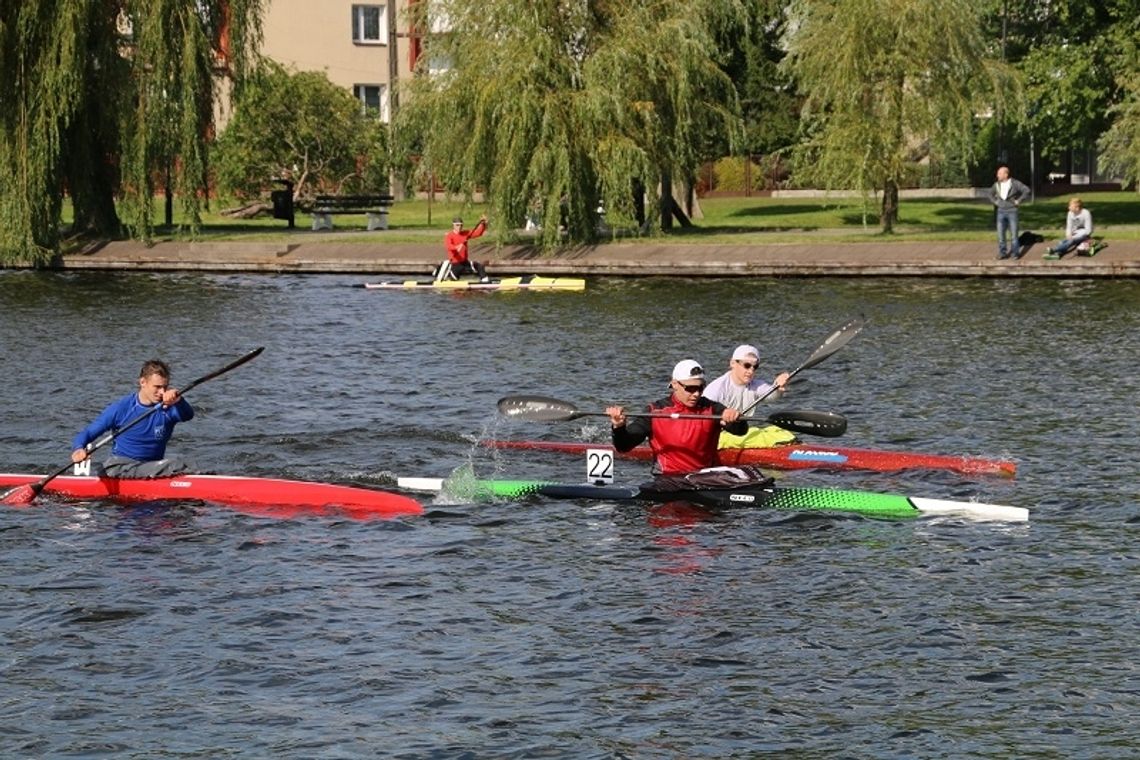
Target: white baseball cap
<point x="688" y="370"/>
<point x="745" y="351"/>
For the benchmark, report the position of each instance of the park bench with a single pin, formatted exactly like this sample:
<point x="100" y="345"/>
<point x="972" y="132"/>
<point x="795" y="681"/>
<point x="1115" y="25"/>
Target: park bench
<point x="375" y="207"/>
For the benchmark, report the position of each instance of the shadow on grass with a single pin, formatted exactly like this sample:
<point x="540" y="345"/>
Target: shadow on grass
<point x="211" y="228"/>
<point x="705" y="230"/>
<point x="785" y="210"/>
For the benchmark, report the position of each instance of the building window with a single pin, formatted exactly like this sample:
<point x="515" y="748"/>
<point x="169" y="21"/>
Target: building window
<point x="370" y="24"/>
<point x="373" y="99"/>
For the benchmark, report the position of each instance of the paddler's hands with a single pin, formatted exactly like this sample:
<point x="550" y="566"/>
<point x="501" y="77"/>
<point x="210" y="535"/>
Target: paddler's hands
<point x="617" y="415"/>
<point x="781" y="381"/>
<point x="79" y="455"/>
<point x="170" y="396"/>
<point x="729" y="416"/>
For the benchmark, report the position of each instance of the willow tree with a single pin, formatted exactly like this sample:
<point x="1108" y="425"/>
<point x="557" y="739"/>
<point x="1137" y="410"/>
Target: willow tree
<point x="556" y="106"/>
<point x="1120" y="145"/>
<point x="889" y="83"/>
<point x="102" y="100"/>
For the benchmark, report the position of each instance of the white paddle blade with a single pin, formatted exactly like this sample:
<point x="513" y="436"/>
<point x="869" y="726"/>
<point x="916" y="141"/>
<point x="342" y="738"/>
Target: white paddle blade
<point x="537" y="409"/>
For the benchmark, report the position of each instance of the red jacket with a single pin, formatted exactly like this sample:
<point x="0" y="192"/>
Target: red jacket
<point x="679" y="445"/>
<point x="456" y="242"/>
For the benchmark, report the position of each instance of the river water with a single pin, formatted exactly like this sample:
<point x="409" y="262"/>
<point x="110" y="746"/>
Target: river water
<point x="569" y="629"/>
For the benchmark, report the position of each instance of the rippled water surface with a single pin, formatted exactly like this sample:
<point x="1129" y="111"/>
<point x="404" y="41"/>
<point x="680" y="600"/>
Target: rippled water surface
<point x="569" y="629"/>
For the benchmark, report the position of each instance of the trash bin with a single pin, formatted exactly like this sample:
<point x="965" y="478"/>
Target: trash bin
<point x="283" y="201"/>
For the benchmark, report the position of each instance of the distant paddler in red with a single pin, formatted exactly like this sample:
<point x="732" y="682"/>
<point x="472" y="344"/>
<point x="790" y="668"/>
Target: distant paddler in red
<point x="455" y="242"/>
<point x="684" y="444"/>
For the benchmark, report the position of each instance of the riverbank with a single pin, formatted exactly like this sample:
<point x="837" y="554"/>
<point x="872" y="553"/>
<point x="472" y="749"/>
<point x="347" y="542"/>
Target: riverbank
<point x="356" y="252"/>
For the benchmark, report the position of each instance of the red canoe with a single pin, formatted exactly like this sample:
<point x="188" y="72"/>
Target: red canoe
<point x="264" y="497"/>
<point x="801" y="457"/>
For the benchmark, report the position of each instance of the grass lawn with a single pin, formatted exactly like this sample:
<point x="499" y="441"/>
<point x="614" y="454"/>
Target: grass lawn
<point x="1114" y="213"/>
<point x="735" y="221"/>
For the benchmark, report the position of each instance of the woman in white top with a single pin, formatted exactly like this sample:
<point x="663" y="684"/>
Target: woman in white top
<point x="1078" y="230"/>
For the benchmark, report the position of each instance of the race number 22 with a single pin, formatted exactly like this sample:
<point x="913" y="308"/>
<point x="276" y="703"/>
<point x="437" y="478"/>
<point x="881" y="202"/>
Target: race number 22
<point x="600" y="466"/>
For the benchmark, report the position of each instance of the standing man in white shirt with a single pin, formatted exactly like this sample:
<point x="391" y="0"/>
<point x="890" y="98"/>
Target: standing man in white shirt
<point x="1006" y="195"/>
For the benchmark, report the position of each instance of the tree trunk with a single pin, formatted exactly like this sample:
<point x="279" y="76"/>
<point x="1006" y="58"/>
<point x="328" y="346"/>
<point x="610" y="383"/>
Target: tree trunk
<point x="890" y="213"/>
<point x="91" y="179"/>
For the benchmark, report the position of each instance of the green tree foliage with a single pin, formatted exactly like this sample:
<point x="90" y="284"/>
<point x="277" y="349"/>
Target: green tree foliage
<point x="302" y="127"/>
<point x="888" y="82"/>
<point x="769" y="102"/>
<point x="564" y="104"/>
<point x="1071" y="55"/>
<point x="1068" y="89"/>
<point x="1120" y="145"/>
<point x="98" y="99"/>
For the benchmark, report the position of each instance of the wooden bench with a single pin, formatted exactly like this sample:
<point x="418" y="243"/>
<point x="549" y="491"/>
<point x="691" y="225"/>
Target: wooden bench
<point x="375" y="207"/>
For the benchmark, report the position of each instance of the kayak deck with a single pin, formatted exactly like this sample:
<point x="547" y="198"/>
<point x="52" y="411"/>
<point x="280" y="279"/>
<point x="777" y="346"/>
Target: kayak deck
<point x="530" y="282"/>
<point x="262" y="496"/>
<point x="769" y="497"/>
<point x="799" y="457"/>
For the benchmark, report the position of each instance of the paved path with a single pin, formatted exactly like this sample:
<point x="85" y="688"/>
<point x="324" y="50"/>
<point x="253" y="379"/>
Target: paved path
<point x="352" y="253"/>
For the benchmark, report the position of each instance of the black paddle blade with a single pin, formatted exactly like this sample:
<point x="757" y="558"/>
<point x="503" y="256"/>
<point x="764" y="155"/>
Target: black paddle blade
<point x="834" y="342"/>
<point x="537" y="409"/>
<point x="824" y="424"/>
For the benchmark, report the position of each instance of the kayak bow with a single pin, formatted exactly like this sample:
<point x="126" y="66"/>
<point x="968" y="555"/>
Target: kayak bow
<point x="769" y="497"/>
<point x="269" y="497"/>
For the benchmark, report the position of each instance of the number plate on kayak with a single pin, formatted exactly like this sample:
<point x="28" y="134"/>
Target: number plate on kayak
<point x="600" y="466"/>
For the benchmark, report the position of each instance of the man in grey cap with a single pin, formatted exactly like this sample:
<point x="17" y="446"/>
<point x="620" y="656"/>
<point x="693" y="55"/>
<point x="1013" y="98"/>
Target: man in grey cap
<point x="455" y="242"/>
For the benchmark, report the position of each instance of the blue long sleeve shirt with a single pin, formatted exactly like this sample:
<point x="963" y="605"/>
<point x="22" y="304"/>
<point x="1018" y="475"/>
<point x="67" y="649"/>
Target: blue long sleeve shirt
<point x="146" y="441"/>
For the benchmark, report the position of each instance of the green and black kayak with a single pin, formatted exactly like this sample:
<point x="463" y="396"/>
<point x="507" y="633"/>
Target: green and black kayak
<point x="764" y="495"/>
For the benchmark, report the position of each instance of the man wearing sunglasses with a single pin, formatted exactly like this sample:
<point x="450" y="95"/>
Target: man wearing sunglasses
<point x="740" y="388"/>
<point x="679" y="444"/>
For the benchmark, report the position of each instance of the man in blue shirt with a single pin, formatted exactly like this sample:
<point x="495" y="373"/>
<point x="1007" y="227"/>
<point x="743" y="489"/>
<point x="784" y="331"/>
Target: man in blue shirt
<point x="140" y="450"/>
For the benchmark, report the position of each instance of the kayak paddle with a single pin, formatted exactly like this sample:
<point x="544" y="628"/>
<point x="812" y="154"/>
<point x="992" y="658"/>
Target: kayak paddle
<point x="546" y="409"/>
<point x="834" y="342"/>
<point x="25" y="494"/>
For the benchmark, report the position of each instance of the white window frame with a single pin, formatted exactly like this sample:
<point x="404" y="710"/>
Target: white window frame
<point x="360" y="34"/>
<point x="359" y="91"/>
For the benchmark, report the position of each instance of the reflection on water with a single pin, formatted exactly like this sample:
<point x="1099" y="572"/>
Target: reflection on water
<point x="570" y="629"/>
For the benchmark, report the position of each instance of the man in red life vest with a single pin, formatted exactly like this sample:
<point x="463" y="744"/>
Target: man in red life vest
<point x="680" y="445"/>
<point x="455" y="242"/>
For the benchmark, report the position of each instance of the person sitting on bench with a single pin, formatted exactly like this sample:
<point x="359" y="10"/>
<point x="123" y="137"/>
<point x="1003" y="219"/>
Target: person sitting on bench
<point x="455" y="242"/>
<point x="1078" y="231"/>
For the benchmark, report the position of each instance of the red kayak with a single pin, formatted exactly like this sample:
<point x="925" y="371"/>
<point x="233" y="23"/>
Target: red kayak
<point x="264" y="497"/>
<point x="802" y="457"/>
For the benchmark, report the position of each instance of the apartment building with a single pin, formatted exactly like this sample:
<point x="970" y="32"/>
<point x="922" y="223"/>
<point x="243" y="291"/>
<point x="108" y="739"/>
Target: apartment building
<point x="359" y="46"/>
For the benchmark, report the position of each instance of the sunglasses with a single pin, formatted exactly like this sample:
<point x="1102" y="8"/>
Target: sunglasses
<point x="747" y="365"/>
<point x="692" y="388"/>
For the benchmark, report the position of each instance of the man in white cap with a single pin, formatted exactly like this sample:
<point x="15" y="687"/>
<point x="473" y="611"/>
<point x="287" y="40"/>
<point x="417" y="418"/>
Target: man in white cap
<point x="679" y="444"/>
<point x="739" y="388"/>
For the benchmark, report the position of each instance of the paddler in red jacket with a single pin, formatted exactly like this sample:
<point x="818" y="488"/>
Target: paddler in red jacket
<point x="679" y="445"/>
<point x="455" y="242"/>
